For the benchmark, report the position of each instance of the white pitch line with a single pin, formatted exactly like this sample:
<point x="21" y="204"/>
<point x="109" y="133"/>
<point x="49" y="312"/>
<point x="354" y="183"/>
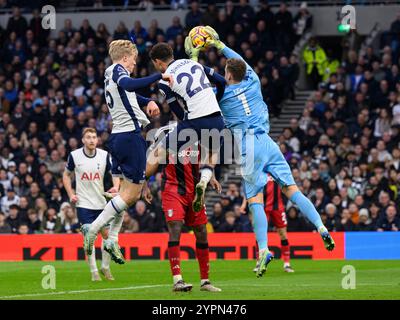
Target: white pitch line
<point x="165" y="285"/>
<point x="321" y="285"/>
<point x="80" y="291"/>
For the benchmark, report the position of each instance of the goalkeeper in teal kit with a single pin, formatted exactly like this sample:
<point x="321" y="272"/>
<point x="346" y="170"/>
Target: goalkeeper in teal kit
<point x="246" y="115"/>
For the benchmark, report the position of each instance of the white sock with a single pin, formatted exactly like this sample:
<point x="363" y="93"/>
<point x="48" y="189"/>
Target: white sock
<point x="105" y="258"/>
<point x="286" y="264"/>
<point x="92" y="261"/>
<point x="177" y="278"/>
<point x="202" y="281"/>
<point x="261" y="251"/>
<point x="206" y="174"/>
<point x="115" y="226"/>
<point x="112" y="208"/>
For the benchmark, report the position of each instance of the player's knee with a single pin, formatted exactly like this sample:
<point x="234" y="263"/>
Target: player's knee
<point x="282" y="233"/>
<point x="136" y="197"/>
<point x="290" y="190"/>
<point x="130" y="198"/>
<point x="200" y="228"/>
<point x="201" y="233"/>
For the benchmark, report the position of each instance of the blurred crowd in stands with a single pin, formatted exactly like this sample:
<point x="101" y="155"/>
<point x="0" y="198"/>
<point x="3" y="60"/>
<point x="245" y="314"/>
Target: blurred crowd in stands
<point x="344" y="149"/>
<point x="90" y="5"/>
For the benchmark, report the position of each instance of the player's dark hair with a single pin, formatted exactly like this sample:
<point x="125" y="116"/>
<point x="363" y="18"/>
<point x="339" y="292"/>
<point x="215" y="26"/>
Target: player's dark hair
<point x="161" y="51"/>
<point x="236" y="67"/>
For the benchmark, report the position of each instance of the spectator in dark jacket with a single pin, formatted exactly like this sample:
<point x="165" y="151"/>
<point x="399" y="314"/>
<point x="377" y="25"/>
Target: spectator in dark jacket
<point x="40" y="34"/>
<point x="17" y="23"/>
<point x="244" y="14"/>
<point x="295" y="222"/>
<point x="230" y="224"/>
<point x="4" y="226"/>
<point x="265" y="14"/>
<point x="364" y="223"/>
<point x="283" y="29"/>
<point x="217" y="217"/>
<point x="194" y="16"/>
<point x="51" y="222"/>
<point x="223" y="25"/>
<point x="346" y="224"/>
<point x="23" y="229"/>
<point x="210" y="16"/>
<point x="144" y="217"/>
<point x="332" y="218"/>
<point x="242" y="219"/>
<point x="13" y="219"/>
<point x="389" y="222"/>
<point x="175" y="29"/>
<point x="34" y="224"/>
<point x="226" y="203"/>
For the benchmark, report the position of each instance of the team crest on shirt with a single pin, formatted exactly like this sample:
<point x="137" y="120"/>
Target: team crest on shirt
<point x="170" y="212"/>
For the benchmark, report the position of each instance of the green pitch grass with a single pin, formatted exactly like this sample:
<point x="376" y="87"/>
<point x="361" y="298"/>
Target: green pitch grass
<point x="152" y="280"/>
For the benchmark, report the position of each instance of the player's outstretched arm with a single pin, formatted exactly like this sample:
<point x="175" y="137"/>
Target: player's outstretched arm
<point x="214" y="41"/>
<point x="122" y="79"/>
<point x="226" y="51"/>
<point x="217" y="79"/>
<point x="151" y="107"/>
<point x="142" y="101"/>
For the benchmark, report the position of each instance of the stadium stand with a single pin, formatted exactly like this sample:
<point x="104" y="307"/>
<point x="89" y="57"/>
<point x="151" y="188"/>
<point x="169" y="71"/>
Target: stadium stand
<point x="343" y="148"/>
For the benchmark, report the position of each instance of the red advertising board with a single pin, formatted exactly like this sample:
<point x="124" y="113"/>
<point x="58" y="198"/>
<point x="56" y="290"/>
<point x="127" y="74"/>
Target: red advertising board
<point x="231" y="246"/>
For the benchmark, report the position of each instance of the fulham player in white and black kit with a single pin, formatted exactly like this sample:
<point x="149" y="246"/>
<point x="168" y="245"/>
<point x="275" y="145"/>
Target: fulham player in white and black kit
<point x="89" y="165"/>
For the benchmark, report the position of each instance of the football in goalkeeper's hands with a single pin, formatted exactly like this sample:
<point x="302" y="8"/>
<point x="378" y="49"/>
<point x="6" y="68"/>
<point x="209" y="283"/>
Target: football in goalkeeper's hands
<point x="199" y="37"/>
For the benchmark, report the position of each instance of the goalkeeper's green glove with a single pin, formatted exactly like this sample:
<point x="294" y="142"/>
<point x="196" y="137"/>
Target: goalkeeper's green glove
<point x="191" y="51"/>
<point x="214" y="41"/>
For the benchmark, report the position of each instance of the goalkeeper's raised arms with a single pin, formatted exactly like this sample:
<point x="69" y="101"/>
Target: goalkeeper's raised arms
<point x="211" y="31"/>
<point x="214" y="39"/>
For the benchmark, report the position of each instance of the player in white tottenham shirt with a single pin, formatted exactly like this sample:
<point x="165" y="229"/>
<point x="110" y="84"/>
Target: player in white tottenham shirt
<point x="89" y="165"/>
<point x="126" y="144"/>
<point x="201" y="110"/>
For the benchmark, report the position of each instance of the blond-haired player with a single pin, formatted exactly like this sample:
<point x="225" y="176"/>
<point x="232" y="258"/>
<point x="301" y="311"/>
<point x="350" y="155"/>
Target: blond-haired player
<point x="89" y="165"/>
<point x="126" y="144"/>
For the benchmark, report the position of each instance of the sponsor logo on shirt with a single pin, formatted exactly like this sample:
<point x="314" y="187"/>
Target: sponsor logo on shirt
<point x="90" y="176"/>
